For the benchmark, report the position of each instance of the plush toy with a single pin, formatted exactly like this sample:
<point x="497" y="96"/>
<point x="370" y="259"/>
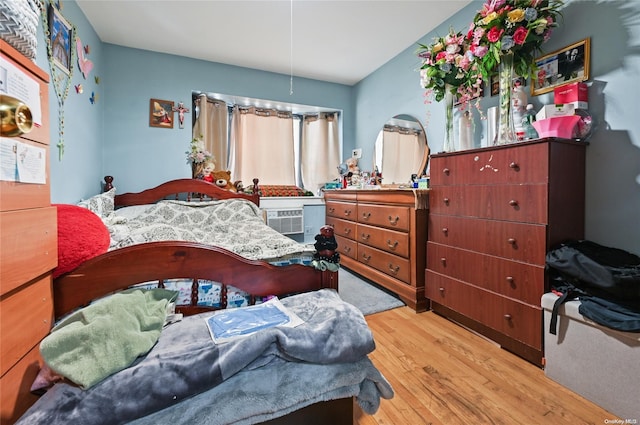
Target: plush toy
<point x="326" y="245"/>
<point x="222" y="179"/>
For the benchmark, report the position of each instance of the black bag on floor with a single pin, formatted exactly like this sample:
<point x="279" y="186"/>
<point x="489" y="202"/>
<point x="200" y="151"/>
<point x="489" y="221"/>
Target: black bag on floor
<point x="606" y="280"/>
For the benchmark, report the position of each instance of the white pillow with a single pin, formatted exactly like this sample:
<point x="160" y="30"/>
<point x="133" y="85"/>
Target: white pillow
<point x="101" y="204"/>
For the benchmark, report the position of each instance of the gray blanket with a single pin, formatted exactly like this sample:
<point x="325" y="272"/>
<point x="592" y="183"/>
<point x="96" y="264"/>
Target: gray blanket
<point x="185" y="362"/>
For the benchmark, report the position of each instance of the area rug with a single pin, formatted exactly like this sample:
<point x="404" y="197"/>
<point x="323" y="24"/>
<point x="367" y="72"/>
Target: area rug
<point x="363" y="294"/>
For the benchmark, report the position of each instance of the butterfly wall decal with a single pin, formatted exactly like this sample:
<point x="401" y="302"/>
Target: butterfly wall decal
<point x="84" y="64"/>
<point x="94" y="98"/>
<point x="97" y="79"/>
<point x="79" y="88"/>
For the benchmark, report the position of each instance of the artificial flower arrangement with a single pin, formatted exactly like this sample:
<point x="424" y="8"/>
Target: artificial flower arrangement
<point x="512" y="26"/>
<point x="198" y="154"/>
<point x="447" y="64"/>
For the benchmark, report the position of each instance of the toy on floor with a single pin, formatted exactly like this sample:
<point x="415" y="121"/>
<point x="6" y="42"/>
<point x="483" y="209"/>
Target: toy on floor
<point x="326" y="245"/>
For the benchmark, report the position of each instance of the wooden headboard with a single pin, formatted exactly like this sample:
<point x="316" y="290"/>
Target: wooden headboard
<point x="188" y="188"/>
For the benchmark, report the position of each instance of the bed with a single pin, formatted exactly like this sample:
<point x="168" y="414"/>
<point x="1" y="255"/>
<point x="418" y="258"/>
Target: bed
<point x="309" y="374"/>
<point x="167" y="225"/>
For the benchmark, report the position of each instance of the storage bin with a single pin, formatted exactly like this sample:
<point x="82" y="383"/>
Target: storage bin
<point x="19" y="25"/>
<point x="599" y="363"/>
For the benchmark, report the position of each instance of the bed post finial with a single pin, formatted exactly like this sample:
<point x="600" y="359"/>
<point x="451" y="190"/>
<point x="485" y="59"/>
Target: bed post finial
<point x="108" y="185"/>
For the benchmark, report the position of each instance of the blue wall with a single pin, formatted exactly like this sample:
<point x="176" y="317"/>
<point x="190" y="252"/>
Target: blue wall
<point x="113" y="136"/>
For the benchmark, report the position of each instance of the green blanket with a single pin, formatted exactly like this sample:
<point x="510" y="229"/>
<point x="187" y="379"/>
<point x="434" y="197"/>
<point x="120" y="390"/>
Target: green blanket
<point x="107" y="336"/>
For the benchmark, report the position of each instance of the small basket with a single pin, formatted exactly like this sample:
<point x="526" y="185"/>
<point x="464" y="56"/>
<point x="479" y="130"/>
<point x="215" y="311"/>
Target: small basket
<point x="19" y="25"/>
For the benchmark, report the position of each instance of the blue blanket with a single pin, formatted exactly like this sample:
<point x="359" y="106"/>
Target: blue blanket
<point x="185" y="362"/>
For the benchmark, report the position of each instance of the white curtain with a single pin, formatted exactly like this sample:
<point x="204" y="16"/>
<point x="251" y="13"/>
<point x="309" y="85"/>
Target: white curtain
<point x="401" y="155"/>
<point x="319" y="150"/>
<point x="213" y="125"/>
<point x="262" y="146"/>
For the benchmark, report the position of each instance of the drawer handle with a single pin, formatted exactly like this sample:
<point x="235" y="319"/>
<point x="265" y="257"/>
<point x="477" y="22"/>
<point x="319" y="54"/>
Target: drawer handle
<point x="332" y="210"/>
<point x="446" y="201"/>
<point x="507" y="317"/>
<point x="347" y="213"/>
<point x="347" y="249"/>
<point x="394" y="221"/>
<point x="392" y="245"/>
<point x="511" y="241"/>
<point x="510" y="280"/>
<point x="443" y="260"/>
<point x="513" y="203"/>
<point x="365" y="236"/>
<point x="394" y="269"/>
<point x="347" y="231"/>
<point x="441" y="289"/>
<point x="514" y="166"/>
<point x="446" y="171"/>
<point x="366" y="215"/>
<point x="366" y="258"/>
<point x="445" y="230"/>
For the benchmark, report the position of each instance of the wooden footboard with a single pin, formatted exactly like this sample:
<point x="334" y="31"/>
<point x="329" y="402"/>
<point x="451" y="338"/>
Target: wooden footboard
<point x="158" y="261"/>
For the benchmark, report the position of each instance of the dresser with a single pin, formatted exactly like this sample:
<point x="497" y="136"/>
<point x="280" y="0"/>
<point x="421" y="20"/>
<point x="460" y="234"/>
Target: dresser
<point x="28" y="254"/>
<point x="494" y="214"/>
<point x="381" y="235"/>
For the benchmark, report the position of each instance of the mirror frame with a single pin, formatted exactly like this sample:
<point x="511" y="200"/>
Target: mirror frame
<point x="394" y="121"/>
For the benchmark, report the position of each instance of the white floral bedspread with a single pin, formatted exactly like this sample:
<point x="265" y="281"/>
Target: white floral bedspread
<point x="234" y="224"/>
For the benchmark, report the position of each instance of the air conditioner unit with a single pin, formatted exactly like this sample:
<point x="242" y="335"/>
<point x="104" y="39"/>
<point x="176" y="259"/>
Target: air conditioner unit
<point x="286" y="221"/>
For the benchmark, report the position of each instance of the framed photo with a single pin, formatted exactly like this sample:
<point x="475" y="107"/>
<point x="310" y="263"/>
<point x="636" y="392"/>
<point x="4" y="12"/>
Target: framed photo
<point x="161" y="113"/>
<point x="567" y="65"/>
<point x="494" y="83"/>
<point x="61" y="33"/>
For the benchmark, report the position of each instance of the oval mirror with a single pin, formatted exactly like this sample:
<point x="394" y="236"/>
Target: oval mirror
<point x="401" y="150"/>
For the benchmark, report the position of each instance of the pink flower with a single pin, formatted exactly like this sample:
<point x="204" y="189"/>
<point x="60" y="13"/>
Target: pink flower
<point x="479" y="51"/>
<point x="520" y="35"/>
<point x="494" y="34"/>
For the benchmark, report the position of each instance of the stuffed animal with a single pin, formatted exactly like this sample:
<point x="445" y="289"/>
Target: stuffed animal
<point x="326" y="245"/>
<point x="222" y="179"/>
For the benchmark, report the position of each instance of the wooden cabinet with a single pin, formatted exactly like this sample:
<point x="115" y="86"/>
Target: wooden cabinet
<point x="494" y="214"/>
<point x="381" y="235"/>
<point x="28" y="254"/>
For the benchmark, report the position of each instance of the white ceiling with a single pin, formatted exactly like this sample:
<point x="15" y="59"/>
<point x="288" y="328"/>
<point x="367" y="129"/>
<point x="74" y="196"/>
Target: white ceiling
<point x="336" y="41"/>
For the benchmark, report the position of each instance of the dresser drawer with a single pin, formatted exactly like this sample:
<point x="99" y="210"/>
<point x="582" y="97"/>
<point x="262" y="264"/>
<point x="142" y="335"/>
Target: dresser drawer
<point x="521" y="281"/>
<point x="347" y="247"/>
<point x="391" y="217"/>
<point x="522" y="203"/>
<point x="25" y="317"/>
<point x="15" y="386"/>
<point x="28" y="245"/>
<point x="397" y="267"/>
<point x="524" y="163"/>
<point x="344" y="228"/>
<point x="342" y="210"/>
<point x="516" y="241"/>
<point x="517" y="320"/>
<point x="17" y="196"/>
<point x="387" y="240"/>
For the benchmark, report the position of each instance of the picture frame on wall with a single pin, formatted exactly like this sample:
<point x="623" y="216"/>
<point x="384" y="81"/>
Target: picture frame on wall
<point x="161" y="113"/>
<point x="567" y="65"/>
<point x="61" y="39"/>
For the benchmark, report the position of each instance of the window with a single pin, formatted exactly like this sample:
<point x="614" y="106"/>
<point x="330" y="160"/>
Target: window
<point x="283" y="144"/>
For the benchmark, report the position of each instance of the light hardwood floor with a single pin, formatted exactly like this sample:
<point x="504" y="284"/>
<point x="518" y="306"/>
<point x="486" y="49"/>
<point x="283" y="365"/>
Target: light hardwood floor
<point x="444" y="374"/>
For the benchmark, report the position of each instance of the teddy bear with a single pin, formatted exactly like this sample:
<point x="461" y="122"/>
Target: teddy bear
<point x="222" y="179"/>
<point x="326" y="245"/>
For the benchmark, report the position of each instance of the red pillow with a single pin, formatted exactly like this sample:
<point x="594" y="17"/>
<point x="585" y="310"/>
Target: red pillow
<point x="81" y="236"/>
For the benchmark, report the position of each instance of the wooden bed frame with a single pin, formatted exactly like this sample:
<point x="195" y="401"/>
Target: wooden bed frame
<point x="158" y="261"/>
<point x="184" y="259"/>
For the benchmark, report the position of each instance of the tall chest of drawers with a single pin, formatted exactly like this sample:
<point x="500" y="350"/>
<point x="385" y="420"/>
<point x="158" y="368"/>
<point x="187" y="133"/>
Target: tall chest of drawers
<point x="381" y="235"/>
<point x="28" y="254"/>
<point x="494" y="214"/>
